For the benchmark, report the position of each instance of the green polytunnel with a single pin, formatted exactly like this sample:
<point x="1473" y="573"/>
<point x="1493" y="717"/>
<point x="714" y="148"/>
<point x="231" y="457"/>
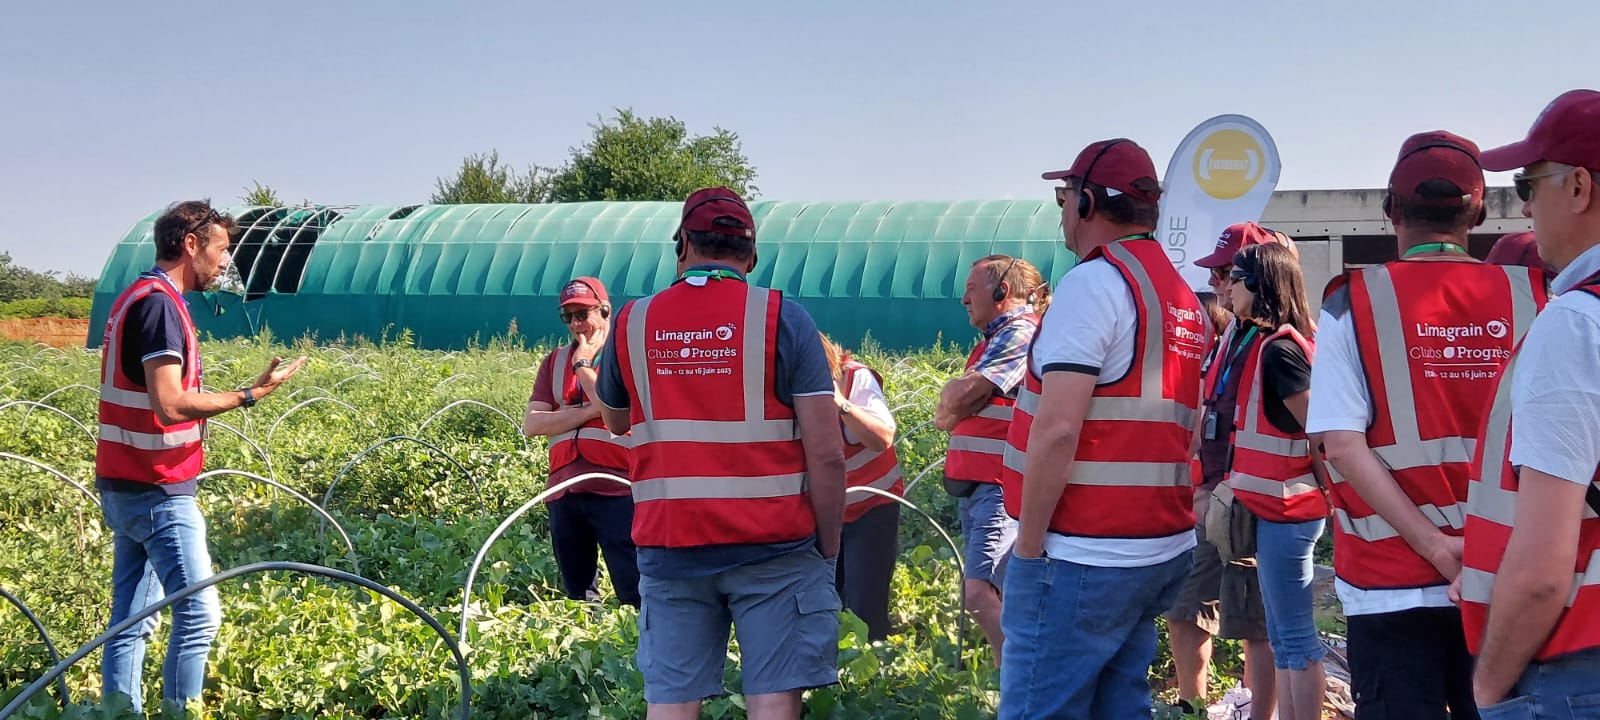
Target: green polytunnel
<point x="454" y="273"/>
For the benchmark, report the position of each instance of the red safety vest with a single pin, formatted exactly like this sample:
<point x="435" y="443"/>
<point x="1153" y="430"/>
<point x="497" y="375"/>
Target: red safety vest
<point x="1432" y="336"/>
<point x="591" y="440"/>
<point x="1491" y="508"/>
<point x="1271" y="471"/>
<point x="1130" y="476"/>
<point x="133" y="444"/>
<point x="868" y="468"/>
<point x="717" y="458"/>
<point x="978" y="442"/>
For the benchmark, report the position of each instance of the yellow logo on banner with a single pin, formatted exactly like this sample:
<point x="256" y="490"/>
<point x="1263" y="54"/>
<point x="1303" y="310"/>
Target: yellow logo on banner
<point x="1228" y="164"/>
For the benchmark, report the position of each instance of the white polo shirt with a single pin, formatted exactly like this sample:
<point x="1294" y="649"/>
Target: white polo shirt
<point x="1555" y="387"/>
<point x="1091" y="329"/>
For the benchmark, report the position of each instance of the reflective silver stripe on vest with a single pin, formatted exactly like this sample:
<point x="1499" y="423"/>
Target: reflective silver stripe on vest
<point x="1373" y="528"/>
<point x="132" y="399"/>
<point x="1026" y="401"/>
<point x="602" y="435"/>
<point x="995" y="412"/>
<point x="860" y="460"/>
<point x="150" y="441"/>
<point x="715" y="431"/>
<point x="1478" y="586"/>
<point x="883" y="483"/>
<point x="1486" y="498"/>
<point x="1013" y="459"/>
<point x="112" y="352"/>
<point x="1150" y="384"/>
<point x="754" y="428"/>
<point x="1250" y="436"/>
<point x="1151" y="405"/>
<point x="1409" y="449"/>
<point x="1129" y="474"/>
<point x="1305" y="484"/>
<point x="719" y="488"/>
<point x="968" y="443"/>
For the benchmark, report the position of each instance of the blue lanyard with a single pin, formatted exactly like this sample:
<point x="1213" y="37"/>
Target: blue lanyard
<point x="1244" y="342"/>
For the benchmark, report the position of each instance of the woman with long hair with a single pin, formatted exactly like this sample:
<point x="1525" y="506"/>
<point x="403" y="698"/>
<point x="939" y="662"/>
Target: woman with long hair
<point x="868" y="546"/>
<point x="1276" y="471"/>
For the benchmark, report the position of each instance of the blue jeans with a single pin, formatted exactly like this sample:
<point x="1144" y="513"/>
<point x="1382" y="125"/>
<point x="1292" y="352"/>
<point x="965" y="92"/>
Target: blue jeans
<point x="1283" y="560"/>
<point x="167" y="535"/>
<point x="1080" y="639"/>
<point x="1561" y="689"/>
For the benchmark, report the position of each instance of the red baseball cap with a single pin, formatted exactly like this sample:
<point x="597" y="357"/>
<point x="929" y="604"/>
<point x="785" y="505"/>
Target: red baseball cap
<point x="1566" y="132"/>
<point x="1517" y="249"/>
<point x="1116" y="164"/>
<point x="718" y="210"/>
<point x="584" y="292"/>
<point x="1437" y="155"/>
<point x="1237" y="237"/>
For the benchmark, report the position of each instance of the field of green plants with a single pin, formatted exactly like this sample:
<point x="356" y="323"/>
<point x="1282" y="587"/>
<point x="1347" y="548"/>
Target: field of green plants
<point x="418" y="456"/>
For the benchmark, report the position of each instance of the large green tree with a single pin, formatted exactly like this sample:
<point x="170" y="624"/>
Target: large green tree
<point x="635" y="158"/>
<point x="20" y="283"/>
<point x="483" y="179"/>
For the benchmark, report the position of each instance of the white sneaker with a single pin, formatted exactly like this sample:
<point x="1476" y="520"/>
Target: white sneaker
<point x="1235" y="705"/>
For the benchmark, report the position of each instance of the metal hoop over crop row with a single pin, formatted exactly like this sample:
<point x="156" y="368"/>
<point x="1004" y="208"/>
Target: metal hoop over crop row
<point x="55" y="672"/>
<point x="516" y="427"/>
<point x="472" y="572"/>
<point x="955" y="551"/>
<point x="57" y="473"/>
<point x="33" y="404"/>
<point x="319" y="398"/>
<point x="55" y="657"/>
<point x="308" y="501"/>
<point x="407" y="438"/>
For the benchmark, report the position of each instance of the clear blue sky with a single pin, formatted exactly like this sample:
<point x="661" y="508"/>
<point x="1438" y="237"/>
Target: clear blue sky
<point x="114" y="109"/>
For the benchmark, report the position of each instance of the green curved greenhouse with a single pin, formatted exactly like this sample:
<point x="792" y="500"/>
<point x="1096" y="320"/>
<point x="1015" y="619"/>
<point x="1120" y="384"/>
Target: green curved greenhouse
<point x="453" y="273"/>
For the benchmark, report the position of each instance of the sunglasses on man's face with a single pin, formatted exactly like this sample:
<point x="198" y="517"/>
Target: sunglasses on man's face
<point x="1524" y="183"/>
<point x="1220" y="274"/>
<point x="567" y="318"/>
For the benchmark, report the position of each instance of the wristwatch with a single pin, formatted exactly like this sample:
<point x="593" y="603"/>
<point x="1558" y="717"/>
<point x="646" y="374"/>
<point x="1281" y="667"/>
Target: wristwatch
<point x="582" y="364"/>
<point x="249" y="400"/>
<point x="846" y="407"/>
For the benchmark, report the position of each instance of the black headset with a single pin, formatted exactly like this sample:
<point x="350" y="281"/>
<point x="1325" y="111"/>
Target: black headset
<point x="677" y="237"/>
<point x="1000" y="285"/>
<point x="605" y="310"/>
<point x="1388" y="197"/>
<point x="1086" y="198"/>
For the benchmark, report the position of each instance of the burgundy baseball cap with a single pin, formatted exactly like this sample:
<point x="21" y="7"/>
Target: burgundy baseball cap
<point x="1114" y="164"/>
<point x="1566" y="132"/>
<point x="1517" y="249"/>
<point x="1437" y="155"/>
<point x="1237" y="237"/>
<point x="584" y="292"/>
<point x="718" y="210"/>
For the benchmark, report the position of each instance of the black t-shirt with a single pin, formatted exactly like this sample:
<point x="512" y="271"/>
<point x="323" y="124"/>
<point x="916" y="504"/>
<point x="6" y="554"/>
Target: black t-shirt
<point x="1285" y="372"/>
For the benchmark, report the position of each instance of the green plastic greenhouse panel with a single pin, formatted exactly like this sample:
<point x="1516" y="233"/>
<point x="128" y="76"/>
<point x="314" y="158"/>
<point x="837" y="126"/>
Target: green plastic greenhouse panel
<point x="450" y="274"/>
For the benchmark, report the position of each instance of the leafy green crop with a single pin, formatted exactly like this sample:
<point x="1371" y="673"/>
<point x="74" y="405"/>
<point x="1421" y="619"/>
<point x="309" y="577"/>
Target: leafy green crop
<point x="293" y="646"/>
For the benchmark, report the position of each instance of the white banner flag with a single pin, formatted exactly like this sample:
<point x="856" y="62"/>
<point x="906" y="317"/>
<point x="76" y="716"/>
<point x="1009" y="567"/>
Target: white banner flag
<point x="1223" y="173"/>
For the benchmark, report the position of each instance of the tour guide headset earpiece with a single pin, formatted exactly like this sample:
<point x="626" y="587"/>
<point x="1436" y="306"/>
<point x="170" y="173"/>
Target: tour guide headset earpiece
<point x="1086" y="198"/>
<point x="677" y="238"/>
<point x="1388" y="199"/>
<point x="1000" y="285"/>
